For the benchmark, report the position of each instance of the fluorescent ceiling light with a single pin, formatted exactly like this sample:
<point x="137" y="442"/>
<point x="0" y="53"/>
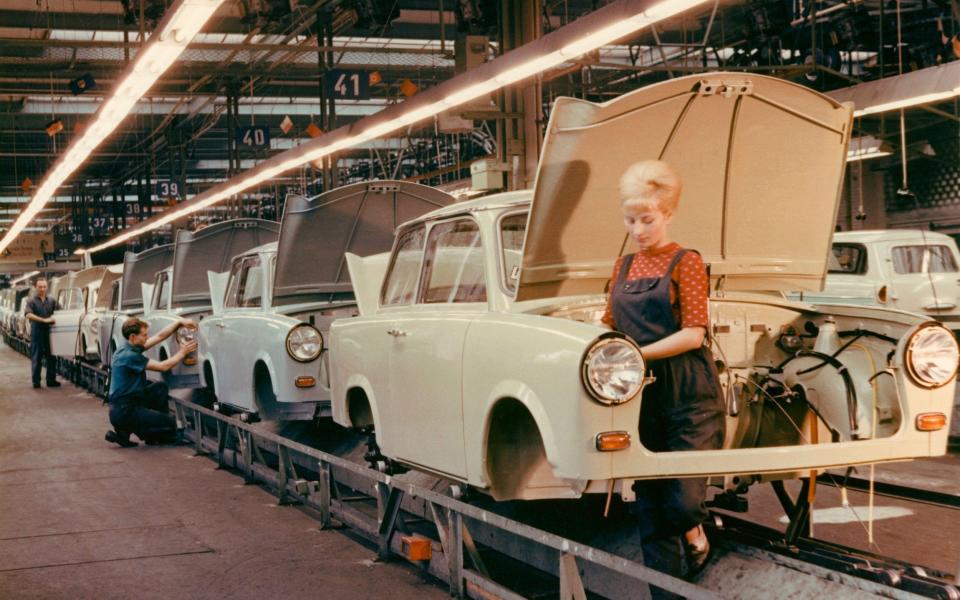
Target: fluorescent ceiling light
<point x="171" y="37"/>
<point x="601" y="27"/>
<point x="24" y="277"/>
<point x="867" y="147"/>
<point x="916" y="88"/>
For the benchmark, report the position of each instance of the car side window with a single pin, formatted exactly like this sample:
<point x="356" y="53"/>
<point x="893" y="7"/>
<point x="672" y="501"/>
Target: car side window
<point x="848" y="259"/>
<point x="923" y="259"/>
<point x="250" y="288"/>
<point x="115" y="296"/>
<point x="453" y="266"/>
<point x="233" y="285"/>
<point x="400" y="284"/>
<point x="512" y="231"/>
<point x="161" y="293"/>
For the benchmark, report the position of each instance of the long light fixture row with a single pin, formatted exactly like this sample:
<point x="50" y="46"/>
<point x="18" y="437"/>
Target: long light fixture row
<point x="182" y="22"/>
<point x="599" y="28"/>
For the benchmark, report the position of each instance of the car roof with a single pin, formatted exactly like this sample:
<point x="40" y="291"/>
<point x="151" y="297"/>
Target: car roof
<point x="891" y="235"/>
<point x="494" y="201"/>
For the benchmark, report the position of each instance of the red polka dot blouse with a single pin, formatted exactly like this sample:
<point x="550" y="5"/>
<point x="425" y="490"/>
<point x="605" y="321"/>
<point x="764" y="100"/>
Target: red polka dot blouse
<point x="689" y="293"/>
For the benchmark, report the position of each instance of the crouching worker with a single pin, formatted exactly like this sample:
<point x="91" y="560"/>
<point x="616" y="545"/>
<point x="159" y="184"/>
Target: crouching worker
<point x="137" y="406"/>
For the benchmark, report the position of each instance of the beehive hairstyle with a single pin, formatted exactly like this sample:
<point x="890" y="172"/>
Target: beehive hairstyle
<point x="651" y="185"/>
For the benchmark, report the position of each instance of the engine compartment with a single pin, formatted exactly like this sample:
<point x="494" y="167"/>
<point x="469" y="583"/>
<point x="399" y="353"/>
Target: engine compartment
<point x="795" y="376"/>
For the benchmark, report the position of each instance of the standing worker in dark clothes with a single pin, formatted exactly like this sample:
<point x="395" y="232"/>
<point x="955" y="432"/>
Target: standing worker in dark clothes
<point x="39" y="312"/>
<point x="137" y="406"/>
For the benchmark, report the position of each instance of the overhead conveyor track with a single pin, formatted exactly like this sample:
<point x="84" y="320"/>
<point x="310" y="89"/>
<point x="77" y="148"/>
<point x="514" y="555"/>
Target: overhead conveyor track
<point x="474" y="549"/>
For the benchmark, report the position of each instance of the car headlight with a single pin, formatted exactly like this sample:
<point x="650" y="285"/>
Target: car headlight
<point x="185" y="335"/>
<point x="932" y="356"/>
<point x="304" y="343"/>
<point x="612" y="370"/>
<point x="95" y="326"/>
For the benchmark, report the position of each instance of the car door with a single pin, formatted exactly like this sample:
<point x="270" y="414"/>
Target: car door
<point x="924" y="275"/>
<point x="235" y="352"/>
<point x="64" y="331"/>
<point x="426" y="367"/>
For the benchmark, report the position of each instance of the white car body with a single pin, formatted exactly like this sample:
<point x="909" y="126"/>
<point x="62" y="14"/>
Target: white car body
<point x="182" y="289"/>
<point x="76" y="293"/>
<point x="126" y="295"/>
<point x="912" y="270"/>
<point x="92" y="320"/>
<point x="468" y="357"/>
<point x="302" y="280"/>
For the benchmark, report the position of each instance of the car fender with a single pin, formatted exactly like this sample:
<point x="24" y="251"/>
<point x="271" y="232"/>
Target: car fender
<point x="356" y="380"/>
<point x="516" y="390"/>
<point x="264" y="357"/>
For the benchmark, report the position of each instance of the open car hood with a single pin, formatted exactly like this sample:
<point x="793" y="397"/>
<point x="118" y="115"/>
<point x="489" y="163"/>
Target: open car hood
<point x="212" y="249"/>
<point x="762" y="162"/>
<point x="81" y="279"/>
<point x="141" y="268"/>
<point x="360" y="218"/>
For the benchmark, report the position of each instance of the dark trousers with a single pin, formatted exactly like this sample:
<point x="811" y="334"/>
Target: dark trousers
<point x="146" y="414"/>
<point x="40" y="354"/>
<point x="682" y="410"/>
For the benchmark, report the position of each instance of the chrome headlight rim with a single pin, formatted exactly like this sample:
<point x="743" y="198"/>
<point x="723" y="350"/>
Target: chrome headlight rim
<point x="297" y="330"/>
<point x="910" y="351"/>
<point x="186" y="335"/>
<point x="601" y="343"/>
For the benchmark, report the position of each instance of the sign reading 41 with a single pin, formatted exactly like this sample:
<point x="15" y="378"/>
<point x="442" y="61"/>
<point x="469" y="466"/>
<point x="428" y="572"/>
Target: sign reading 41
<point x="347" y="84"/>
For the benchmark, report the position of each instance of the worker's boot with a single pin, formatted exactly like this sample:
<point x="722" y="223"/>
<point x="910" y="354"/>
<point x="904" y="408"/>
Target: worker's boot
<point x="122" y="439"/>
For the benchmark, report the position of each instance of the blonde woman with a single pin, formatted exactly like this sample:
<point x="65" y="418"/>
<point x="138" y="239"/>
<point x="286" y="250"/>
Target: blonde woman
<point x="659" y="298"/>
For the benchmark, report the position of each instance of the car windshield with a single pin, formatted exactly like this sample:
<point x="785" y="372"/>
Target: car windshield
<point x="512" y="230"/>
<point x="71" y="299"/>
<point x="923" y="259"/>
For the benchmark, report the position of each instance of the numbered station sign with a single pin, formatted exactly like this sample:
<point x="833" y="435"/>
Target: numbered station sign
<point x="347" y="84"/>
<point x="63" y="253"/>
<point x="169" y="189"/>
<point x="49" y="256"/>
<point x="253" y="137"/>
<point x="41" y="264"/>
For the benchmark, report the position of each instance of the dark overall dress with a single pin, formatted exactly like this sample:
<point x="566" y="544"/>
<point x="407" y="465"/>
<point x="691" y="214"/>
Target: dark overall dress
<point x="682" y="410"/>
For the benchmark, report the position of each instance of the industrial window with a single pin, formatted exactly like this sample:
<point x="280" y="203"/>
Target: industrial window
<point x="848" y="259"/>
<point x="923" y="259"/>
<point x="512" y="230"/>
<point x="453" y="264"/>
<point x="400" y="284"/>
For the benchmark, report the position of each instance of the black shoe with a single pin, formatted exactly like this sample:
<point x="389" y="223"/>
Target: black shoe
<point x="36" y="386"/>
<point x="123" y="440"/>
<point x="53" y="384"/>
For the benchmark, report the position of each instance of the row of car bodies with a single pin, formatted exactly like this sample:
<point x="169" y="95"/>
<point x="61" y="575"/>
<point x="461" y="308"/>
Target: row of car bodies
<point x="474" y="348"/>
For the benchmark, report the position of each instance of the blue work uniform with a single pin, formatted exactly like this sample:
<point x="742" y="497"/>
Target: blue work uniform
<point x="40" y="351"/>
<point x="137" y="406"/>
<point x="681" y="410"/>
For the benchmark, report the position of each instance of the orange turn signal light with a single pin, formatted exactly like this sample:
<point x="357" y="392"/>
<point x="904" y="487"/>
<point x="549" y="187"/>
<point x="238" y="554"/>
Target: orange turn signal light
<point x="190" y="360"/>
<point x="931" y="421"/>
<point x="416" y="547"/>
<point x="305" y="381"/>
<point x="611" y="441"/>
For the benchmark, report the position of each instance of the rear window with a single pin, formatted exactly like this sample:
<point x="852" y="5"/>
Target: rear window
<point x="923" y="259"/>
<point x="848" y="259"/>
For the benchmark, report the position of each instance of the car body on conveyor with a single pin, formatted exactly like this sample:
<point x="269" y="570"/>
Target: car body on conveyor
<point x="182" y="290"/>
<point x="76" y="293"/>
<point x="285" y="295"/>
<point x="480" y="355"/>
<point x="126" y="295"/>
<point x="93" y="318"/>
<point x="908" y="269"/>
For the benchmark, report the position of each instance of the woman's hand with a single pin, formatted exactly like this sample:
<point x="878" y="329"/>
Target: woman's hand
<point x="685" y="340"/>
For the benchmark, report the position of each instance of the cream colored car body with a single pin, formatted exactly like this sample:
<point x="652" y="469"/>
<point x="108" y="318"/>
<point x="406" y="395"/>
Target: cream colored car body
<point x="912" y="270"/>
<point x="92" y="320"/>
<point x="300" y="279"/>
<point x="488" y="391"/>
<point x="76" y="294"/>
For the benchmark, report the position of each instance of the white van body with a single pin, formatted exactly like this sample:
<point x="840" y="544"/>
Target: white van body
<point x="912" y="270"/>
